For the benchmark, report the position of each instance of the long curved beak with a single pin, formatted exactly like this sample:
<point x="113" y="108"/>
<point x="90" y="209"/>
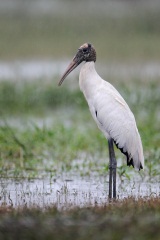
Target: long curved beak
<point x="69" y="69"/>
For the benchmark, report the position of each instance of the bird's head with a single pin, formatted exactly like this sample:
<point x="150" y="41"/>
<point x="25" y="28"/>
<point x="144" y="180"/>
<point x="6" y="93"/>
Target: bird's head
<point x="85" y="53"/>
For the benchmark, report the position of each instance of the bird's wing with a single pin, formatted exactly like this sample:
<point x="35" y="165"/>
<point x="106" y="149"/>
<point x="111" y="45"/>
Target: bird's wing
<point x="115" y="119"/>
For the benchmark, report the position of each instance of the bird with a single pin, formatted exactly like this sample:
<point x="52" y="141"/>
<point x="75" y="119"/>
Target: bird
<point x="110" y="112"/>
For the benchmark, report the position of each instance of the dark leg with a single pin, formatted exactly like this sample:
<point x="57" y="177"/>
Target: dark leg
<point x="114" y="176"/>
<point x="112" y="169"/>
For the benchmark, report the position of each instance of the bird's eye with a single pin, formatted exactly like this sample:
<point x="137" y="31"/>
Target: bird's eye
<point x="85" y="50"/>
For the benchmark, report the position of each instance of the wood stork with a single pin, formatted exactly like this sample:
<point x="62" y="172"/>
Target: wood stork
<point x="110" y="111"/>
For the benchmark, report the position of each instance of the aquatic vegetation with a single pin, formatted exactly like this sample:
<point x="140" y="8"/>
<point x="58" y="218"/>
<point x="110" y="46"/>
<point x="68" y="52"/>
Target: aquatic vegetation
<point x="31" y="140"/>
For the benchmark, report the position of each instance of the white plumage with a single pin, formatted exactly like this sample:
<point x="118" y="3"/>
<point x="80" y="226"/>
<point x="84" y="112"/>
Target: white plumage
<point x="111" y="113"/>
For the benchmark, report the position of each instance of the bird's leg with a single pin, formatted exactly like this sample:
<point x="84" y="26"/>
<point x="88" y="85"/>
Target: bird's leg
<point x="112" y="169"/>
<point x="114" y="174"/>
<point x="110" y="180"/>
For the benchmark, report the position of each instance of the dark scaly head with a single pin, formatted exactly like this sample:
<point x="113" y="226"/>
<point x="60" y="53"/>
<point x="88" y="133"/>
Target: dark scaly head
<point x="85" y="53"/>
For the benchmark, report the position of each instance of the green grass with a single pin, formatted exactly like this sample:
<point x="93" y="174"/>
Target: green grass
<point x="126" y="219"/>
<point x="24" y="98"/>
<point x="72" y="134"/>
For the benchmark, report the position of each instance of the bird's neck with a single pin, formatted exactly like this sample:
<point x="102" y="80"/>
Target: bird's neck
<point x="88" y="78"/>
<point x="88" y="68"/>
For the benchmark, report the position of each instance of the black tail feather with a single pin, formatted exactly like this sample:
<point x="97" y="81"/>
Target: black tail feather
<point x="129" y="160"/>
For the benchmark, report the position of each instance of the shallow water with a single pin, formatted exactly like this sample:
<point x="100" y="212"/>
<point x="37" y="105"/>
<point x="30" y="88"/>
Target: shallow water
<point x="66" y="192"/>
<point x="49" y="69"/>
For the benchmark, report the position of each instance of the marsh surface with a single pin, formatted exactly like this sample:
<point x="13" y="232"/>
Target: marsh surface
<point x="64" y="193"/>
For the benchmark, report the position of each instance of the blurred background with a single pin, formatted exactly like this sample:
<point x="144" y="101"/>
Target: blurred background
<point x="38" y="38"/>
<point x="122" y="31"/>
